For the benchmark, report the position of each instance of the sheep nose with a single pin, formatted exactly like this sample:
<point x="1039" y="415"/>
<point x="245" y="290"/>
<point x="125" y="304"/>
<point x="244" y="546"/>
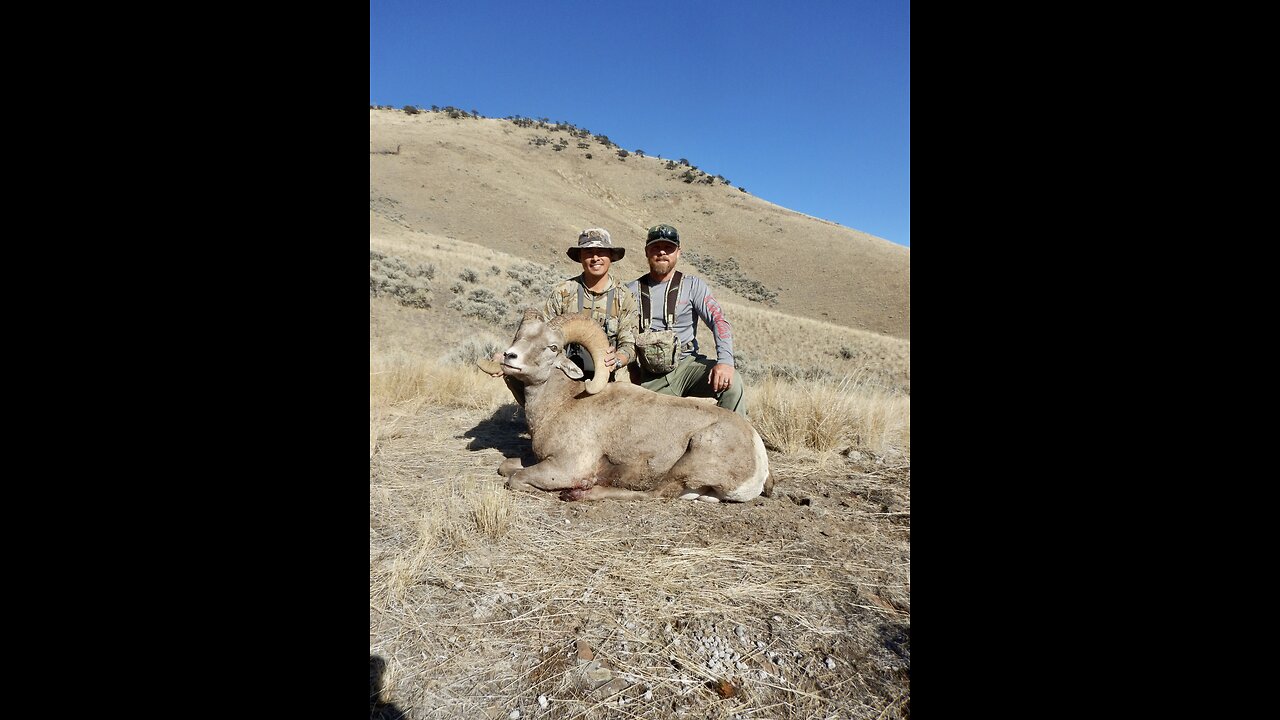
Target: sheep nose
<point x="509" y="355"/>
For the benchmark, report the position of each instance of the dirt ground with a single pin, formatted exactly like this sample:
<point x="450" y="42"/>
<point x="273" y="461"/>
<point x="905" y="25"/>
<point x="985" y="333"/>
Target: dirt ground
<point x="790" y="606"/>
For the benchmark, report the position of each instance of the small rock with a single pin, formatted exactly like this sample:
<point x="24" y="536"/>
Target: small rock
<point x="542" y="702"/>
<point x="599" y="676"/>
<point x="515" y="715"/>
<point x="777" y="618"/>
<point x="648" y="694"/>
<point x="831" y="664"/>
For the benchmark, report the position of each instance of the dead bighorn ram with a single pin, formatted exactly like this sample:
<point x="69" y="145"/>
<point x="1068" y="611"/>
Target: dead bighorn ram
<point x="596" y="439"/>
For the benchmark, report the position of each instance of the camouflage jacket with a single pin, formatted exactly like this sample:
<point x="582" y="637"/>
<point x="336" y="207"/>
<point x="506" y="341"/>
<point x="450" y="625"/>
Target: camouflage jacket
<point x="619" y="321"/>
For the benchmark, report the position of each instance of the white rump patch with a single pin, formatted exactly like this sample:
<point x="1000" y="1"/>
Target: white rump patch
<point x="755" y="483"/>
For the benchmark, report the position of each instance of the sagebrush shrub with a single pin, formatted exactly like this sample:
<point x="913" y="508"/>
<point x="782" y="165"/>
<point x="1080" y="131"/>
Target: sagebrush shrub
<point x="730" y="275"/>
<point x="391" y="276"/>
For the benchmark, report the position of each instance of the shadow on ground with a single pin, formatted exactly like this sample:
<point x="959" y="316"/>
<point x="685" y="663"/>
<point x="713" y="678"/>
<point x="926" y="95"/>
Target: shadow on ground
<point x="506" y="431"/>
<point x="379" y="710"/>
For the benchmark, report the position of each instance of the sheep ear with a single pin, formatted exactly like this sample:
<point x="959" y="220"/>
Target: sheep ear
<point x="569" y="368"/>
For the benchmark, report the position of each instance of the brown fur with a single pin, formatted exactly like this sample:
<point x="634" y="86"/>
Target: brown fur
<point x="622" y="441"/>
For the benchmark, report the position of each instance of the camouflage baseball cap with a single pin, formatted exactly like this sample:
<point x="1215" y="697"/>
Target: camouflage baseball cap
<point x="595" y="238"/>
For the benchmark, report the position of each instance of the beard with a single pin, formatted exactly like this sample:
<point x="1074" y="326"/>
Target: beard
<point x="661" y="267"/>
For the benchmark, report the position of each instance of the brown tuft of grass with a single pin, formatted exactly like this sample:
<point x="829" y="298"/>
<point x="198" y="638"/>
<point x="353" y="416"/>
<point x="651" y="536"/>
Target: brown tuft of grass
<point x="824" y="417"/>
<point x="491" y="509"/>
<point x="397" y="379"/>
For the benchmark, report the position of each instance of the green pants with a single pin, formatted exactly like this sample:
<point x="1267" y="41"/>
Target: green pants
<point x="689" y="379"/>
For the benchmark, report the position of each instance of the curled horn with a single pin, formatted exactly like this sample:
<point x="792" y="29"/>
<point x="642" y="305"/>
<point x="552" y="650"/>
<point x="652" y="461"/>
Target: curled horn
<point x="580" y="328"/>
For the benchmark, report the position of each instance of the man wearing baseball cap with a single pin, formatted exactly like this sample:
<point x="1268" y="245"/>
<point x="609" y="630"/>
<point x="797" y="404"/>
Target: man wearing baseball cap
<point x="694" y="374"/>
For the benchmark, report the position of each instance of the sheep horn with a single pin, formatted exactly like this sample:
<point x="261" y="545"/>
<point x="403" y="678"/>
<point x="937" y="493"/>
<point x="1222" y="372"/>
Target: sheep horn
<point x="580" y="328"/>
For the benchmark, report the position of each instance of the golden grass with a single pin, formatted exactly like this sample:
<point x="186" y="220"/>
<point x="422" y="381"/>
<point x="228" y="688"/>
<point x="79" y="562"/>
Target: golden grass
<point x="479" y="596"/>
<point x="819" y="416"/>
<point x="398" y="378"/>
<point x="767" y="341"/>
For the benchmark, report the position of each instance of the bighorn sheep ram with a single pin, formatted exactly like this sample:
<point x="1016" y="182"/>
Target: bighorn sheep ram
<point x="596" y="439"/>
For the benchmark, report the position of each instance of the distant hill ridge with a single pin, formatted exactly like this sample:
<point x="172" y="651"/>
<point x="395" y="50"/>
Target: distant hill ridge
<point x="526" y="187"/>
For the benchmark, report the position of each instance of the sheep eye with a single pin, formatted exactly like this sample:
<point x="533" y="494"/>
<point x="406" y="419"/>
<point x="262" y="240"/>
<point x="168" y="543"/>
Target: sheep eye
<point x="553" y="348"/>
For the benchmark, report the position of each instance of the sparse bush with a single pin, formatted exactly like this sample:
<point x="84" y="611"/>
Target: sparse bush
<point x="670" y="165"/>
<point x="587" y="156"/>
<point x="482" y="303"/>
<point x="730" y="275"/>
<point x="411" y="110"/>
<point x="742" y="189"/>
<point x="583" y="145"/>
<point x="495" y="270"/>
<point x="469" y="275"/>
<point x="392" y="276"/>
<point x="639" y="153"/>
<point x="475" y="348"/>
<point x="683" y="161"/>
<point x="534" y="276"/>
<point x="622" y="154"/>
<point x="456" y="289"/>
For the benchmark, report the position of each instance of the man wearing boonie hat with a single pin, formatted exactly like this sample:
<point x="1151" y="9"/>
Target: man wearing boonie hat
<point x="610" y="302"/>
<point x="693" y="374"/>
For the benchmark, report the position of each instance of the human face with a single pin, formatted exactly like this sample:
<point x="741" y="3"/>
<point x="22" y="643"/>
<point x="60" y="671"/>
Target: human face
<point x="595" y="262"/>
<point x="662" y="257"/>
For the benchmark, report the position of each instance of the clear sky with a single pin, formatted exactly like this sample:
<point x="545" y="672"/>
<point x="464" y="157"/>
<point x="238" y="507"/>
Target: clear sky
<point x="806" y="104"/>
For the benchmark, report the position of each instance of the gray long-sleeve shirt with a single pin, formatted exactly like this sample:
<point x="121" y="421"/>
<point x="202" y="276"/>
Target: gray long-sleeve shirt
<point x="695" y="300"/>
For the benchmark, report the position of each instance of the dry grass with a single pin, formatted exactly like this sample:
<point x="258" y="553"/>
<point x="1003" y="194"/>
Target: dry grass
<point x="767" y="342"/>
<point x="797" y="606"/>
<point x="482" y="600"/>
<point x="819" y="416"/>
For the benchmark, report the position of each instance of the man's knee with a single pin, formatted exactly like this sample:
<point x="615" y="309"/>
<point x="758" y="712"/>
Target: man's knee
<point x="734" y="398"/>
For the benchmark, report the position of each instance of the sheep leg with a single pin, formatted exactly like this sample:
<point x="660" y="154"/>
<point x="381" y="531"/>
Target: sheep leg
<point x="546" y="475"/>
<point x="602" y="492"/>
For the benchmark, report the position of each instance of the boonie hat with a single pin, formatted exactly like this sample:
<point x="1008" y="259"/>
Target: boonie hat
<point x="595" y="238"/>
<point x="663" y="233"/>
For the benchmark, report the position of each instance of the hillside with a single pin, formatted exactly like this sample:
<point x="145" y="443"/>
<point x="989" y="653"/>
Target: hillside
<point x="489" y="182"/>
<point x="490" y="603"/>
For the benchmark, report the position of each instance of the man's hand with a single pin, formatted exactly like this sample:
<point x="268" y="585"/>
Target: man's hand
<point x="613" y="361"/>
<point x="721" y="377"/>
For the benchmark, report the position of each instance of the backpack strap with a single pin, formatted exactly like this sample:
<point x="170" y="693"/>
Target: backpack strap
<point x="609" y="310"/>
<point x="669" y="309"/>
<point x="673" y="297"/>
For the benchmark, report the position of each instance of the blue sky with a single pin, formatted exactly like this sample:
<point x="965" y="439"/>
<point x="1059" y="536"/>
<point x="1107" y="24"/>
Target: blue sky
<point x="806" y="104"/>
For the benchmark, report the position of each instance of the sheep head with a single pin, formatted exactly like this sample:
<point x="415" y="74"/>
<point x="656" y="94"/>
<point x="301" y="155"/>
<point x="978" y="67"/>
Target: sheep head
<point x="539" y="349"/>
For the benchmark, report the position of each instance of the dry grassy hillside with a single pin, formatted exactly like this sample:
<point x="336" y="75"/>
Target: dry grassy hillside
<point x="488" y="603"/>
<point x="489" y="182"/>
